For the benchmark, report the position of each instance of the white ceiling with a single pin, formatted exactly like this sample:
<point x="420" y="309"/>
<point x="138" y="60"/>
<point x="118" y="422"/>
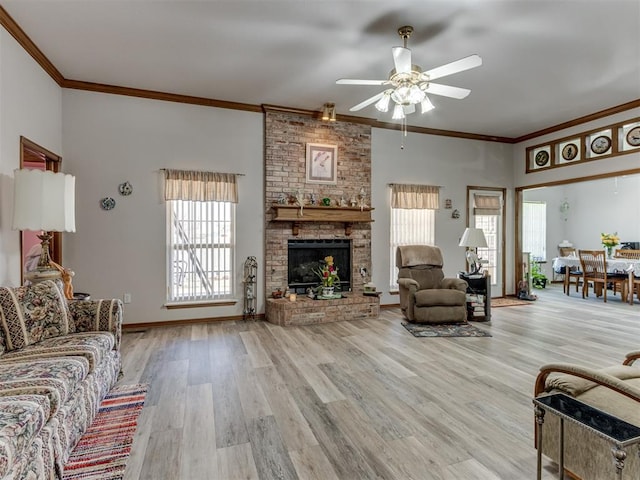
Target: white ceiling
<point x="545" y="62"/>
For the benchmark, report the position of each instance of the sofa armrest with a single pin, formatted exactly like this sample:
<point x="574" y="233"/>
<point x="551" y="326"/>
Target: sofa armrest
<point x="631" y="357"/>
<point x="407" y="289"/>
<point x="454" y="284"/>
<point x="98" y="316"/>
<point x="595" y="376"/>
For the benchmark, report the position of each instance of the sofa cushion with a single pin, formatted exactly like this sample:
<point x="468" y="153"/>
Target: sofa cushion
<point x="575" y="386"/>
<point x="33" y="313"/>
<point x="21" y="420"/>
<point x="91" y="345"/>
<point x="439" y="297"/>
<point x="56" y="378"/>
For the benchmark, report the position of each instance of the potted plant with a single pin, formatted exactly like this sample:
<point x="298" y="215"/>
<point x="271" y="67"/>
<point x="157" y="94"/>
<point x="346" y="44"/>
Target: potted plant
<point x="538" y="278"/>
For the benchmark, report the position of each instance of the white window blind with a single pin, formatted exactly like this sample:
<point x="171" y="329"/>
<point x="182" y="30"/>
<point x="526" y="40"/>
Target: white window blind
<point x="534" y="229"/>
<point x="412" y="220"/>
<point x="201" y="235"/>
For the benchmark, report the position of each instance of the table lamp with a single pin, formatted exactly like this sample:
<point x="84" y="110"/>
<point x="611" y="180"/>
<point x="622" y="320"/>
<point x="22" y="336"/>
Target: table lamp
<point x="473" y="238"/>
<point x="44" y="201"/>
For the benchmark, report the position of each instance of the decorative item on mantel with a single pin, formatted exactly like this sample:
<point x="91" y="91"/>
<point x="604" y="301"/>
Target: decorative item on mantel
<point x="300" y="200"/>
<point x="362" y="196"/>
<point x="609" y="241"/>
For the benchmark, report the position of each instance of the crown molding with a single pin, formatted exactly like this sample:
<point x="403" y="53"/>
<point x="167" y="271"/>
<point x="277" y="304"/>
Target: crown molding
<point x="578" y="121"/>
<point x="155" y="95"/>
<point x="25" y="42"/>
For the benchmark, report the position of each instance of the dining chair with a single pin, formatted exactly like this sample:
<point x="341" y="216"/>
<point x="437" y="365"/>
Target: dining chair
<point x="633" y="254"/>
<point x="594" y="270"/>
<point x="634" y="285"/>
<point x="569" y="272"/>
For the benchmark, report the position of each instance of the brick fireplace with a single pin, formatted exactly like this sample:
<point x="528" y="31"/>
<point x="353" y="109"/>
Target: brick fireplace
<point x="286" y="136"/>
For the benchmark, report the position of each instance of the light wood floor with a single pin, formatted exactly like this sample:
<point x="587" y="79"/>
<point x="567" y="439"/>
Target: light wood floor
<point x="359" y="400"/>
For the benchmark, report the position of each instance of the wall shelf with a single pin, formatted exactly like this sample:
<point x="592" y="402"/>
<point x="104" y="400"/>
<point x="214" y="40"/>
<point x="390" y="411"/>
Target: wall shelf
<point x="316" y="213"/>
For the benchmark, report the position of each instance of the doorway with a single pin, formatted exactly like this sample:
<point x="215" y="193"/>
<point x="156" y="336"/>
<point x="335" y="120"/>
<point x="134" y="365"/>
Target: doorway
<point x="486" y="210"/>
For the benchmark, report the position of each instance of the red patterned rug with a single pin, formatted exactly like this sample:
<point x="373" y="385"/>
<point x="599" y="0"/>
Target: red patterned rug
<point x="102" y="452"/>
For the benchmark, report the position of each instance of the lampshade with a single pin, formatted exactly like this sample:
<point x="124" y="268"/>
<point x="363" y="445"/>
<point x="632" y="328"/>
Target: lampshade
<point x="473" y="238"/>
<point x="44" y="201"/>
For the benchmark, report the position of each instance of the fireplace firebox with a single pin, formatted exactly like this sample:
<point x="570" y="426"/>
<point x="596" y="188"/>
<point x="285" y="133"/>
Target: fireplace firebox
<point x="305" y="256"/>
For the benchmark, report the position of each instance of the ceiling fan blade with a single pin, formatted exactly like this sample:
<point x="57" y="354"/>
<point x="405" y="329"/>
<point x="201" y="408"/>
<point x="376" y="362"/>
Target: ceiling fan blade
<point x="367" y="102"/>
<point x="354" y="81"/>
<point x="447" y="90"/>
<point x="402" y="59"/>
<point x="461" y="65"/>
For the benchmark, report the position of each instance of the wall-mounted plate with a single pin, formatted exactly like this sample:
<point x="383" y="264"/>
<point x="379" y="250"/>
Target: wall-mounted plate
<point x="107" y="203"/>
<point x="125" y="188"/>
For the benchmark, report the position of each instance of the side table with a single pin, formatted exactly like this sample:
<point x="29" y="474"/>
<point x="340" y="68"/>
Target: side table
<point x="479" y="285"/>
<point x="619" y="433"/>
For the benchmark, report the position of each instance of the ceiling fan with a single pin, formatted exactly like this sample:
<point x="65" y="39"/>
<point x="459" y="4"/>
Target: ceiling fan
<point x="409" y="85"/>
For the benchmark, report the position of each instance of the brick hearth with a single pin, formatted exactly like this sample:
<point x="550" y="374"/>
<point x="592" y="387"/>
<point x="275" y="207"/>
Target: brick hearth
<point x="305" y="311"/>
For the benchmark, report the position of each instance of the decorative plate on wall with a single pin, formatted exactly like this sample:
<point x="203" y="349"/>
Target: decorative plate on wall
<point x="570" y="151"/>
<point x="125" y="188"/>
<point x="600" y="144"/>
<point x="542" y="158"/>
<point x="633" y="136"/>
<point x="107" y="203"/>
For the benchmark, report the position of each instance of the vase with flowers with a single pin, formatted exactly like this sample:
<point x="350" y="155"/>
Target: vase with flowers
<point x="609" y="241"/>
<point x="328" y="274"/>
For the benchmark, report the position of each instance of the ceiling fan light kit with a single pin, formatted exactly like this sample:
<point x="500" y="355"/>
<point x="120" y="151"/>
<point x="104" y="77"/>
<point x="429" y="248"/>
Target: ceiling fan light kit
<point x="410" y="84"/>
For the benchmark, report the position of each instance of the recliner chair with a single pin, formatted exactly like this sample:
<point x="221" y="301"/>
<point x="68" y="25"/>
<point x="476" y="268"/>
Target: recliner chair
<point x="426" y="296"/>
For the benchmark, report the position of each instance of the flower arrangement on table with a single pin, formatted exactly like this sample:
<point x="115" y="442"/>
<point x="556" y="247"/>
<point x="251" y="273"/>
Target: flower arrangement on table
<point x="328" y="273"/>
<point x="609" y="240"/>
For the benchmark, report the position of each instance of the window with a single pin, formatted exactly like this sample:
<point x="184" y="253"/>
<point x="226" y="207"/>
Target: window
<point x="200" y="235"/>
<point x="412" y="220"/>
<point x="534" y="229"/>
<point x="201" y="248"/>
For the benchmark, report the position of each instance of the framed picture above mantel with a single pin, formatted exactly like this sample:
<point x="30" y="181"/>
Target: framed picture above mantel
<point x="322" y="163"/>
<point x="605" y="142"/>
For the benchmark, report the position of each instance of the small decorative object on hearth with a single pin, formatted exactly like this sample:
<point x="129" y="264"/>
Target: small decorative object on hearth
<point x="328" y="274"/>
<point x="609" y="241"/>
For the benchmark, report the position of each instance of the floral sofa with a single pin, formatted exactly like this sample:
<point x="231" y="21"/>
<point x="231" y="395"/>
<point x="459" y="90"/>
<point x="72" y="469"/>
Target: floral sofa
<point x="58" y="360"/>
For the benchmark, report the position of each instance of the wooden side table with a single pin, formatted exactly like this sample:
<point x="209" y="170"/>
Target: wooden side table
<point x="621" y="434"/>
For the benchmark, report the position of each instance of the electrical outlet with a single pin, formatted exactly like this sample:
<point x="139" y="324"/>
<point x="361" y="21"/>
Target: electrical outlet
<point x="126" y="298"/>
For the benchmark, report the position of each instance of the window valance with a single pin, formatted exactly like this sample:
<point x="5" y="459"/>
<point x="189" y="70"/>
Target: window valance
<point x="200" y="186"/>
<point x="415" y="196"/>
<point x="486" y="204"/>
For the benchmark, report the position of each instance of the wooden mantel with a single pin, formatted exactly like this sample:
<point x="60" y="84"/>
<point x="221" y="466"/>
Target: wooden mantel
<point x="316" y="213"/>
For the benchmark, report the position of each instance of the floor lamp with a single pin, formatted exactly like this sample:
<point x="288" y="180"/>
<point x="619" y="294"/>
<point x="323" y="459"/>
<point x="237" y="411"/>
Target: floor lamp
<point x="473" y="238"/>
<point x="44" y="202"/>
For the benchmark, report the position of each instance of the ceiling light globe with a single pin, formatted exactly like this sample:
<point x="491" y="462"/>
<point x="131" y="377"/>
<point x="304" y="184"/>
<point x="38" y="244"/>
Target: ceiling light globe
<point x="398" y="112"/>
<point x="382" y="105"/>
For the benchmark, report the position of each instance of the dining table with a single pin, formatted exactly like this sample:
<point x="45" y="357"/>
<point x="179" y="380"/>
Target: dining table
<point x="626" y="266"/>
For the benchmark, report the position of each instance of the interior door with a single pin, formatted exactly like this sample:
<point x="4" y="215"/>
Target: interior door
<point x="486" y="210"/>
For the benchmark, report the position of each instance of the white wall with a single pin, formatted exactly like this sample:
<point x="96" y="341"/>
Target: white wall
<point x="109" y="139"/>
<point x="451" y="163"/>
<point x="30" y="106"/>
